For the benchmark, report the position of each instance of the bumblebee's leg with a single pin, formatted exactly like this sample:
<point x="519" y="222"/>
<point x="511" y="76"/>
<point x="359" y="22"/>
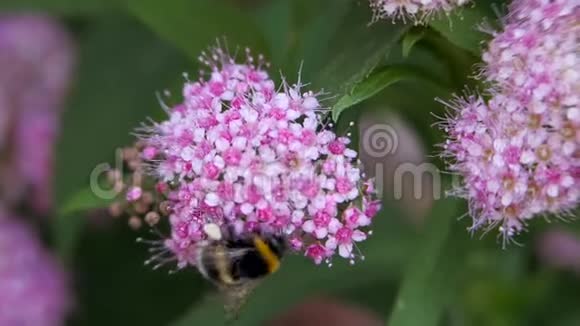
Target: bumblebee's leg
<point x="236" y="297"/>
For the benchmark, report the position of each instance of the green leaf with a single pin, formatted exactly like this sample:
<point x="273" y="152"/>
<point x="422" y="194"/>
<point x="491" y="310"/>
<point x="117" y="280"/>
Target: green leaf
<point x="413" y="36"/>
<point x="462" y="26"/>
<point x="70" y="219"/>
<point x="357" y="49"/>
<point x="122" y="65"/>
<point x="428" y="286"/>
<point x="314" y="36"/>
<point x="192" y="26"/>
<point x="413" y="99"/>
<point x="459" y="61"/>
<point x="299" y="278"/>
<point x="376" y="82"/>
<point x="83" y="200"/>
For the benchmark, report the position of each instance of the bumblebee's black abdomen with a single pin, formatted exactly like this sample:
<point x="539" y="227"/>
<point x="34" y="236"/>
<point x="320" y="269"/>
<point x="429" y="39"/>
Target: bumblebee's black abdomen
<point x="233" y="261"/>
<point x="250" y="266"/>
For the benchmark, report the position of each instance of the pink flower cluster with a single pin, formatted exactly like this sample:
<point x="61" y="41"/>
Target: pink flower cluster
<point x="32" y="285"/>
<point x="36" y="60"/>
<point x="240" y="154"/>
<point x="518" y="152"/>
<point x="535" y="58"/>
<point x="416" y="10"/>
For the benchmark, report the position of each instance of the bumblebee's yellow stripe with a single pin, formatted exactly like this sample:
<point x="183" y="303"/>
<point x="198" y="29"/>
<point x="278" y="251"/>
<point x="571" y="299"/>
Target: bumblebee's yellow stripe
<point x="269" y="256"/>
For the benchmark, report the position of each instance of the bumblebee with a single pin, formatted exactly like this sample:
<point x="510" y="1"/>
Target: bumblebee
<point x="236" y="264"/>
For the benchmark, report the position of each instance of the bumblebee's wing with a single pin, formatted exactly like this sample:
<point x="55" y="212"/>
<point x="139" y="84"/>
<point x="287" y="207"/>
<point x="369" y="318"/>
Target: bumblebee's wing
<point x="236" y="254"/>
<point x="211" y="257"/>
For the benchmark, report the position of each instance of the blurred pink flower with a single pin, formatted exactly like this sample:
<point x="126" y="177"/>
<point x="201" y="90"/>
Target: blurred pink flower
<point x="415" y="10"/>
<point x="36" y="60"/>
<point x="32" y="285"/>
<point x="518" y="151"/>
<point x="241" y="152"/>
<point x="559" y="249"/>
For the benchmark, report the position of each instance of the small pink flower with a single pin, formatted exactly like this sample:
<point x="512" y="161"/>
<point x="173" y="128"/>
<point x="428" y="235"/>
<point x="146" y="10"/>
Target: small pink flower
<point x="296" y="244"/>
<point x="226" y="191"/>
<point x="232" y="156"/>
<point x="211" y="171"/>
<point x="316" y="252"/>
<point x="343" y="185"/>
<point x="149" y="153"/>
<point x="343" y="239"/>
<point x="265" y="215"/>
<point x="310" y="188"/>
<point x="371" y="208"/>
<point x="336" y="147"/>
<point x="355" y="218"/>
<point x="161" y="187"/>
<point x="329" y="167"/>
<point x="134" y="193"/>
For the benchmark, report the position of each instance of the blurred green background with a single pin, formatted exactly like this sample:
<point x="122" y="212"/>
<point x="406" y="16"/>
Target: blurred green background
<point x="431" y="274"/>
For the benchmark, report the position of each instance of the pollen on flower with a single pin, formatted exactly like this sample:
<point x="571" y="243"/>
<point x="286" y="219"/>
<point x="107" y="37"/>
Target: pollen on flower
<point x="518" y="150"/>
<point x="243" y="155"/>
<point x="415" y="10"/>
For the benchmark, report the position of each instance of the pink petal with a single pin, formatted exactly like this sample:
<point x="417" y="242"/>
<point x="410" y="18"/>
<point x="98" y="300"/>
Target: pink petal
<point x="358" y="235"/>
<point x="334" y="225"/>
<point x="331" y="243"/>
<point x="321" y="233"/>
<point x="345" y="250"/>
<point x="308" y="226"/>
